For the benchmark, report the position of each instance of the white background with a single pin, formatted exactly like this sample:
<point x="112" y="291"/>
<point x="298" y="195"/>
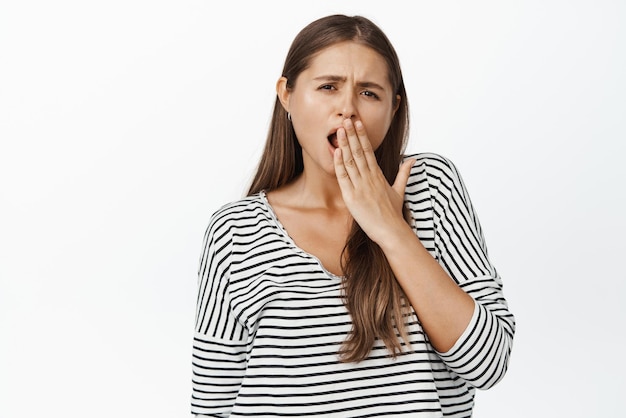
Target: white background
<point x="125" y="124"/>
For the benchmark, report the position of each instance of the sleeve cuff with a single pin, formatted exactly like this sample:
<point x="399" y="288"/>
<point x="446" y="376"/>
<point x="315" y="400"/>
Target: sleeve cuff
<point x="450" y="354"/>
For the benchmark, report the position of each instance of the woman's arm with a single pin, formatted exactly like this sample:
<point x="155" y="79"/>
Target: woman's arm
<point x="442" y="307"/>
<point x="219" y="345"/>
<point x="458" y="297"/>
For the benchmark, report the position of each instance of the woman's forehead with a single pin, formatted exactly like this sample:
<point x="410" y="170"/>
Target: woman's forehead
<point x="348" y="59"/>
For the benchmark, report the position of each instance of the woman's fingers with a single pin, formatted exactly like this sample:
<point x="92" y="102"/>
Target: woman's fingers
<point x="402" y="178"/>
<point x="358" y="154"/>
<point x="343" y="178"/>
<point x="349" y="158"/>
<point x="365" y="145"/>
<point x="353" y="142"/>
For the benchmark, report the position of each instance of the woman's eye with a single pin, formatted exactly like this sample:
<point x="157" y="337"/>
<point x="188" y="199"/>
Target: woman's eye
<point x="370" y="94"/>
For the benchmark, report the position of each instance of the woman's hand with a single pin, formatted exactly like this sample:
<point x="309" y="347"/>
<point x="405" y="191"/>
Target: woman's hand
<point x="374" y="204"/>
<point x="444" y="309"/>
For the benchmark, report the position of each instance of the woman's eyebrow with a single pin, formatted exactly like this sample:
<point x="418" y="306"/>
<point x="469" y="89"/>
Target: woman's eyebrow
<point x="370" y="84"/>
<point x="336" y="78"/>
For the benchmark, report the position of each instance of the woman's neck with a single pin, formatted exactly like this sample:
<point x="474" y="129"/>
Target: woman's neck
<point x="319" y="190"/>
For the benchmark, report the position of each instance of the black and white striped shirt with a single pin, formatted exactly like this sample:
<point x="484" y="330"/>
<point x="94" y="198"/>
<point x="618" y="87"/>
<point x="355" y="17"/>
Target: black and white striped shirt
<point x="270" y="318"/>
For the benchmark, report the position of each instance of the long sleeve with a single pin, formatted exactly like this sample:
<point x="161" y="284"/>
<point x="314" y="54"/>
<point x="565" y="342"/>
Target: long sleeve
<point x="480" y="356"/>
<point x="219" y="345"/>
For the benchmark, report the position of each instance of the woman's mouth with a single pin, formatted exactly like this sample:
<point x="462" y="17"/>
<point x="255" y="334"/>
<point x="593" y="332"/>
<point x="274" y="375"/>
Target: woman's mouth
<point x="332" y="139"/>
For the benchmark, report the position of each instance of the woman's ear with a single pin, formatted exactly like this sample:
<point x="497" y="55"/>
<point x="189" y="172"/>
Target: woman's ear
<point x="283" y="93"/>
<point x="397" y="106"/>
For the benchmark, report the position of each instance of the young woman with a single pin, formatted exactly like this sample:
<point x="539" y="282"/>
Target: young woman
<point x="353" y="281"/>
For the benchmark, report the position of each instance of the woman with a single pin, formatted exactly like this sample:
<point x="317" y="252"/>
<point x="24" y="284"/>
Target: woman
<point x="352" y="281"/>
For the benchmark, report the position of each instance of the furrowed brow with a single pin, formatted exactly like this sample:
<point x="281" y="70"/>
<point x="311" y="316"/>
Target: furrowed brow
<point x="370" y="85"/>
<point x="340" y="79"/>
<point x="334" y="78"/>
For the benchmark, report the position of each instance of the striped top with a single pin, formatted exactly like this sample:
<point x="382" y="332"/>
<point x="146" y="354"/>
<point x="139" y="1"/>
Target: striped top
<point x="270" y="319"/>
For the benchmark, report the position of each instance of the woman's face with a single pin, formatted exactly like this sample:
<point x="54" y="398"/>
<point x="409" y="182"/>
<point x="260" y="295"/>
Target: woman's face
<point x="345" y="80"/>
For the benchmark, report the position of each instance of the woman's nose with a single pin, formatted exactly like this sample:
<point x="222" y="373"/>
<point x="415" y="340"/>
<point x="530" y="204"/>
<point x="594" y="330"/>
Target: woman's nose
<point x="347" y="107"/>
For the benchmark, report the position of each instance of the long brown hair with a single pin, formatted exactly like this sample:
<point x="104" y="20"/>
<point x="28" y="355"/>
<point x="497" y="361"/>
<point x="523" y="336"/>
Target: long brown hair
<point x="371" y="292"/>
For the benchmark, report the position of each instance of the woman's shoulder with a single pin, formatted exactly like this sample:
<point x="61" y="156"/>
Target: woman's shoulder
<point x="239" y="210"/>
<point x="433" y="165"/>
<point x="430" y="158"/>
